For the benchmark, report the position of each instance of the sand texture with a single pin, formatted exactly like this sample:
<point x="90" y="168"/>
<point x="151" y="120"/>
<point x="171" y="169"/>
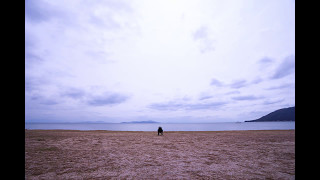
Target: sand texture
<point x="62" y="154"/>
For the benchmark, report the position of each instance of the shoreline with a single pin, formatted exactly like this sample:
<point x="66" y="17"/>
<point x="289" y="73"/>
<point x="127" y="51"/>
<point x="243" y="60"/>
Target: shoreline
<point x="231" y="126"/>
<point x="117" y="131"/>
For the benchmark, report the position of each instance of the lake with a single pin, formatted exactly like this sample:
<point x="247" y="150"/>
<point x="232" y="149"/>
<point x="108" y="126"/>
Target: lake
<point x="223" y="126"/>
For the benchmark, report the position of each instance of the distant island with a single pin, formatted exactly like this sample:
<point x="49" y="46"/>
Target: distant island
<point x="285" y="114"/>
<point x="141" y="122"/>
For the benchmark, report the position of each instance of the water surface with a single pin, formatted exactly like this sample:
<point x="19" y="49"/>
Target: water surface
<point x="225" y="126"/>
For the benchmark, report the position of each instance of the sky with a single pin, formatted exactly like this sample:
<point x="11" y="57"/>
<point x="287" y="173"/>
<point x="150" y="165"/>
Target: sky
<point x="171" y="61"/>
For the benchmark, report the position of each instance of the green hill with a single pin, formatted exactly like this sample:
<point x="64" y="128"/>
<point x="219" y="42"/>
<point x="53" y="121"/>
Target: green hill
<point x="285" y="114"/>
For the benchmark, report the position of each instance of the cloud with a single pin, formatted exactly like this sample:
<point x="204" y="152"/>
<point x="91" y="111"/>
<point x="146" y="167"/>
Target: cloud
<point x="74" y="52"/>
<point x="257" y="80"/>
<point x="169" y="106"/>
<point x="40" y="99"/>
<point x="173" y="106"/>
<point x="202" y="36"/>
<point x="105" y="14"/>
<point x="246" y="98"/>
<point x="265" y="60"/>
<point x="201" y="33"/>
<point x="215" y="82"/>
<point x="238" y="84"/>
<point x="30" y="84"/>
<point x="204" y="97"/>
<point x="268" y="102"/>
<point x="49" y="102"/>
<point x="106" y="22"/>
<point x="265" y="63"/>
<point x="232" y="92"/>
<point x="282" y="86"/>
<point x="74" y="93"/>
<point x="108" y="18"/>
<point x="31" y="57"/>
<point x="34" y="83"/>
<point x="286" y="68"/>
<point x="32" y="60"/>
<point x="209" y="106"/>
<point x="107" y="99"/>
<point x="39" y="11"/>
<point x="36" y="11"/>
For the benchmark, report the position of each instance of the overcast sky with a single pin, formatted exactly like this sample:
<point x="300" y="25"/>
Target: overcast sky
<point x="163" y="60"/>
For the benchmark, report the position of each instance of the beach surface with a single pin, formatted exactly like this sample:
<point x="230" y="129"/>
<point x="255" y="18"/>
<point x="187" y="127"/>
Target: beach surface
<point x="66" y="154"/>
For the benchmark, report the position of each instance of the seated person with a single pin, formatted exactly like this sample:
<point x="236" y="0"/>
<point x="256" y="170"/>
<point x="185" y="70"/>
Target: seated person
<point x="160" y="131"/>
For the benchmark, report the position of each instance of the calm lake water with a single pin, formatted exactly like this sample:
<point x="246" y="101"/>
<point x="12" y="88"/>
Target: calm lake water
<point x="226" y="126"/>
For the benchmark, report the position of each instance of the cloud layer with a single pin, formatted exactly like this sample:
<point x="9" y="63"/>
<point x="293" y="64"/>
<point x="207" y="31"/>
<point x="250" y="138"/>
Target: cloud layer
<point x="172" y="106"/>
<point x="107" y="99"/>
<point x="134" y="60"/>
<point x="286" y="68"/>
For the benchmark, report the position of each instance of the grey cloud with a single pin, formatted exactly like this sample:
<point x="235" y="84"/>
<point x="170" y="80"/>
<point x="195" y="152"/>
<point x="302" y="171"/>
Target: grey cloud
<point x="44" y="100"/>
<point x="246" y="98"/>
<point x="204" y="97"/>
<point x="282" y="86"/>
<point x="265" y="60"/>
<point x="38" y="11"/>
<point x="29" y="84"/>
<point x="257" y="80"/>
<point x="34" y="83"/>
<point x="232" y="92"/>
<point x="29" y="41"/>
<point x="211" y="106"/>
<point x="49" y="102"/>
<point x="30" y="46"/>
<point x="107" y="99"/>
<point x="32" y="57"/>
<point x="167" y="106"/>
<point x="32" y="60"/>
<point x="286" y="68"/>
<point x="35" y="11"/>
<point x="173" y="106"/>
<point x="74" y="93"/>
<point x="238" y="84"/>
<point x="215" y="82"/>
<point x="268" y="102"/>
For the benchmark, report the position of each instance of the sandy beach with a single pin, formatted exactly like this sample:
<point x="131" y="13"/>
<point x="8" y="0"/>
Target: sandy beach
<point x="63" y="154"/>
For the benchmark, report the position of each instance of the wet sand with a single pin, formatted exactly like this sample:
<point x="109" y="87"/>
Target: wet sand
<point x="62" y="154"/>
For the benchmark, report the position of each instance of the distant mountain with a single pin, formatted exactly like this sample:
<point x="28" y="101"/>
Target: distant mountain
<point x="93" y="122"/>
<point x="285" y="114"/>
<point x="141" y="122"/>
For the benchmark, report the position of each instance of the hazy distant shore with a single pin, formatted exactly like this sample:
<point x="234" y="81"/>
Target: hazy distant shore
<point x="70" y="154"/>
